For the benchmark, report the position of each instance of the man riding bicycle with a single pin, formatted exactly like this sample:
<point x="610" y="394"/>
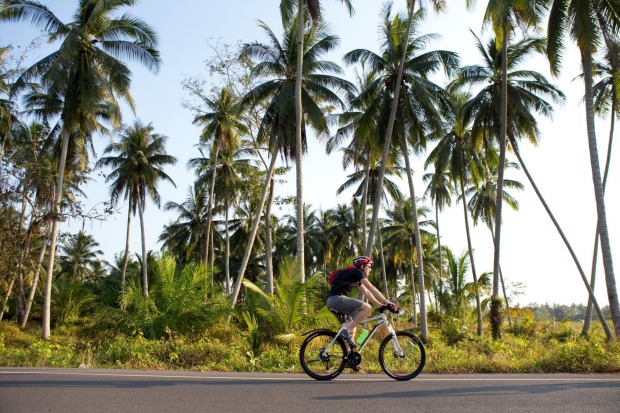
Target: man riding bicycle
<point x="339" y="301"/>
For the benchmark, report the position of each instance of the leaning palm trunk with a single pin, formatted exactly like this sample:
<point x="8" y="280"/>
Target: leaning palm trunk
<point x="47" y="294"/>
<point x="388" y="137"/>
<point x="298" y="140"/>
<point x="35" y="280"/>
<point x="612" y="294"/>
<point x="586" y="323"/>
<point x="418" y="244"/>
<point x="496" y="321"/>
<point x="145" y="278"/>
<point x="557" y="226"/>
<point x="7" y="296"/>
<point x="255" y="223"/>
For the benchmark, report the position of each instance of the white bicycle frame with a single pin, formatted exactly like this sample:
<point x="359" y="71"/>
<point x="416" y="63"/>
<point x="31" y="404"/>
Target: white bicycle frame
<point x="382" y="321"/>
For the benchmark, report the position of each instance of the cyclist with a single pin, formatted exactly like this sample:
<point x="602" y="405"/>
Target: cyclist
<point x="345" y="281"/>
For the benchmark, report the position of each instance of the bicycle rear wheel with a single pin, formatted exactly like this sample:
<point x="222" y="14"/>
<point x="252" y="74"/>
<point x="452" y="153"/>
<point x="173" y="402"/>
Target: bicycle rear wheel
<point x="406" y="363"/>
<point x="319" y="363"/>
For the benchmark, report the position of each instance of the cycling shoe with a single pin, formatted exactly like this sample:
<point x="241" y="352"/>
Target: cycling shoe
<point x="347" y="336"/>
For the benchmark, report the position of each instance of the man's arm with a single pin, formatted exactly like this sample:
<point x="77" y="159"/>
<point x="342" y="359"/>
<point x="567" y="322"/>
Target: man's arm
<point x="372" y="293"/>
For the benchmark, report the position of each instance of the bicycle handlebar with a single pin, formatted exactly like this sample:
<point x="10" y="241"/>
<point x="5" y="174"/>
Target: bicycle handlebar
<point x="389" y="308"/>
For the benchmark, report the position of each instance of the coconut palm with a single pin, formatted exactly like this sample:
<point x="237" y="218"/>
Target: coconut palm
<point x="223" y="127"/>
<point x="528" y="92"/>
<point x="416" y="109"/>
<point x="276" y="63"/>
<point x="457" y="153"/>
<point x="313" y="8"/>
<point x="606" y="100"/>
<point x="400" y="233"/>
<point x="78" y="257"/>
<point x="185" y="236"/>
<point x="138" y="168"/>
<point x="440" y="191"/>
<point x="83" y="77"/>
<point x="504" y="16"/>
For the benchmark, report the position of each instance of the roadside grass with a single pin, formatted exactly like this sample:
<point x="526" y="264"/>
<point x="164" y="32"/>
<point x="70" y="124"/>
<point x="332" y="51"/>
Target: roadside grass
<point x="541" y="347"/>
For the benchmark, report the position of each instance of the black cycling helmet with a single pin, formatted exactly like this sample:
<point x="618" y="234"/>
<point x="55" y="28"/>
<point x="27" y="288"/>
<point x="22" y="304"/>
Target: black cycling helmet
<point x="362" y="260"/>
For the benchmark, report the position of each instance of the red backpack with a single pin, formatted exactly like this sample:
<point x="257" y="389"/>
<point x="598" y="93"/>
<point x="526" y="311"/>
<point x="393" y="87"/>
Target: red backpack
<point x="334" y="274"/>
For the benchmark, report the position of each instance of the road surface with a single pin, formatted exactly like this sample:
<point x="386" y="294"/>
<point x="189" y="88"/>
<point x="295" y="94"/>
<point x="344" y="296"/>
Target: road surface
<point x="97" y="390"/>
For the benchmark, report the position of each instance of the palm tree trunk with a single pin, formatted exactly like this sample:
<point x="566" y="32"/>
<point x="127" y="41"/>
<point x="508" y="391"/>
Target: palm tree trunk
<point x="35" y="280"/>
<point x="47" y="294"/>
<point x="365" y="202"/>
<point x="418" y="243"/>
<point x="268" y="243"/>
<point x="126" y="257"/>
<point x="438" y="240"/>
<point x="496" y="320"/>
<point x="612" y="294"/>
<point x="210" y="202"/>
<point x="255" y="223"/>
<point x="501" y="278"/>
<point x="298" y="140"/>
<point x="388" y="136"/>
<point x="20" y="262"/>
<point x="383" y="272"/>
<point x="586" y="323"/>
<point x="471" y="255"/>
<point x="557" y="226"/>
<point x="145" y="279"/>
<point x="413" y="293"/>
<point x="7" y="296"/>
<point x="227" y="249"/>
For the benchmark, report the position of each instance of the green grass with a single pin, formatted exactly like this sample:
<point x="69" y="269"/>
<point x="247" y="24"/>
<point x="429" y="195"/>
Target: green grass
<point x="539" y="348"/>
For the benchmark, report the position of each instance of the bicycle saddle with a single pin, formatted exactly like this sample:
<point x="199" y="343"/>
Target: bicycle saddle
<point x="340" y="316"/>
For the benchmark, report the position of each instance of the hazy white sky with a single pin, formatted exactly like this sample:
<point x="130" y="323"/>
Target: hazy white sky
<point x="532" y="251"/>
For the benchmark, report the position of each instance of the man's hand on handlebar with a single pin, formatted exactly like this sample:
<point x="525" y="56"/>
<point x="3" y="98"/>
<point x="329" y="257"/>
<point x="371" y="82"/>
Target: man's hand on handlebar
<point x="393" y="307"/>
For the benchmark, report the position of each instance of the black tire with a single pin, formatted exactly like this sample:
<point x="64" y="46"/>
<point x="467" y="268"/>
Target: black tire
<point x="403" y="366"/>
<point x="318" y="364"/>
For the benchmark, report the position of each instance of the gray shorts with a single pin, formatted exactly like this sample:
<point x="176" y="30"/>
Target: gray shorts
<point x="343" y="304"/>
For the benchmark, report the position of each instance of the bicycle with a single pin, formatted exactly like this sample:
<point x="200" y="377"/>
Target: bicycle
<point x="324" y="355"/>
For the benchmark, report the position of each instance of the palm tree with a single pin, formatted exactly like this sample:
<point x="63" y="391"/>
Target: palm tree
<point x="83" y="77"/>
<point x="482" y="199"/>
<point x="505" y="16"/>
<point x="78" y="258"/>
<point x="141" y="155"/>
<point x="222" y="126"/>
<point x="440" y="191"/>
<point x="185" y="236"/>
<point x="527" y="91"/>
<point x="277" y="64"/>
<point x="415" y="108"/>
<point x="606" y="100"/>
<point x="401" y="236"/>
<point x="457" y="153"/>
<point x="314" y="10"/>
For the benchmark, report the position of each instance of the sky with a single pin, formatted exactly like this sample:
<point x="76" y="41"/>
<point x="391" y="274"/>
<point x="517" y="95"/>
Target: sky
<point x="534" y="261"/>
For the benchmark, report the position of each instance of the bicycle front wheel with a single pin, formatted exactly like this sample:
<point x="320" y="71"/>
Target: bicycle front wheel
<point x="320" y="362"/>
<point x="402" y="355"/>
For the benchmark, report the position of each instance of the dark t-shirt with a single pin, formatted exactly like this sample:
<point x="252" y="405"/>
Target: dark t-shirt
<point x="346" y="281"/>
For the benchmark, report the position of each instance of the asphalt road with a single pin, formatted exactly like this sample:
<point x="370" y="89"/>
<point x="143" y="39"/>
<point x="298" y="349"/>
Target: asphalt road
<point x="94" y="390"/>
